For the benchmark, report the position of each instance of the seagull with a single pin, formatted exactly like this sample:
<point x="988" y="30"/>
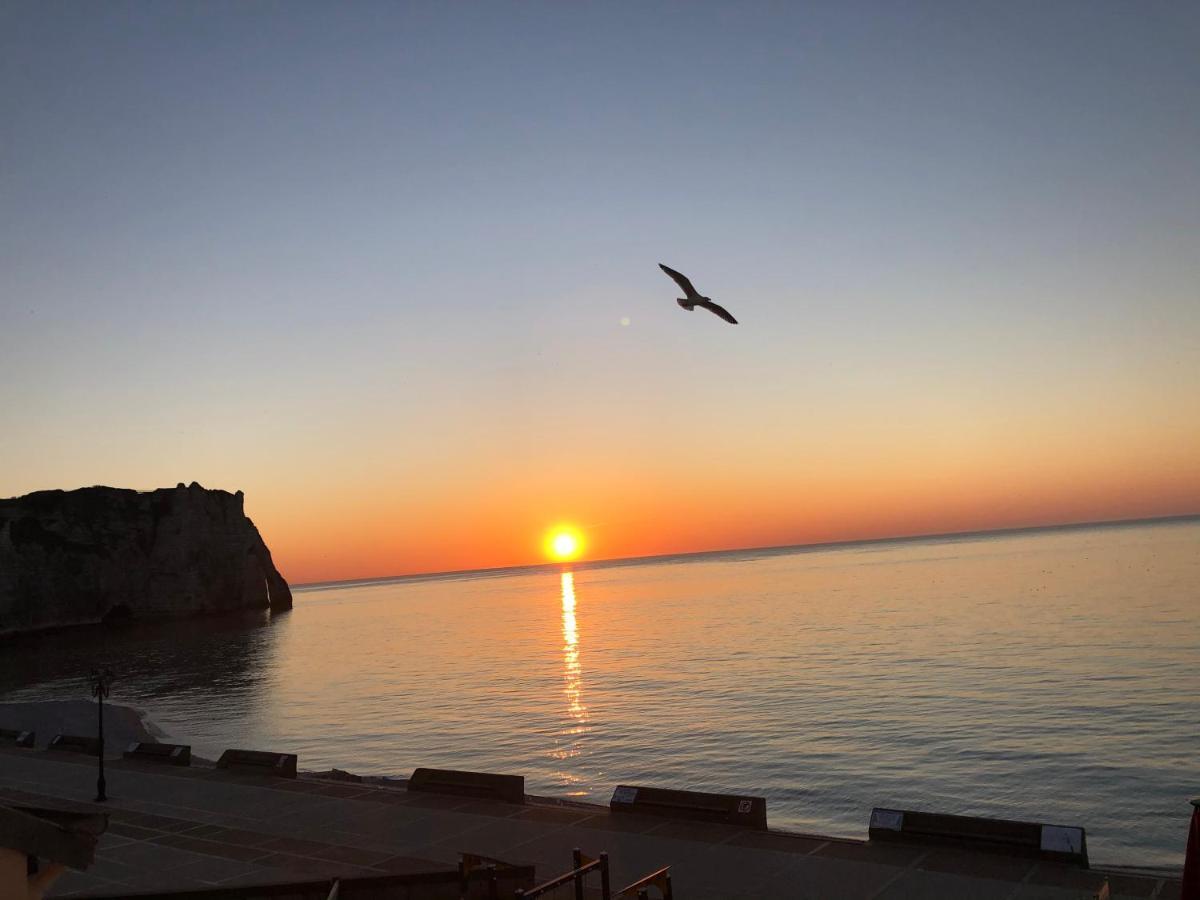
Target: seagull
<point x="694" y="298"/>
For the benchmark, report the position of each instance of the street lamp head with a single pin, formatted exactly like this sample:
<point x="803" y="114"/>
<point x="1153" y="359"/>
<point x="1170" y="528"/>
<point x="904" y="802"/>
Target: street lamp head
<point x="101" y="681"/>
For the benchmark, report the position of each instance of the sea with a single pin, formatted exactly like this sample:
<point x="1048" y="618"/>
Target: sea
<point x="1046" y="675"/>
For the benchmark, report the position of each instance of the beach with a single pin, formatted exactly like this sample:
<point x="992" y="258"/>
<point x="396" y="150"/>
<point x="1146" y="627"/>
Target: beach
<point x="123" y="725"/>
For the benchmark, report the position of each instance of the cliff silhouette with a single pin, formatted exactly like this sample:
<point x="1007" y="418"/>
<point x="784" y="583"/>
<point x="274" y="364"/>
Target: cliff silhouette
<point x="102" y="554"/>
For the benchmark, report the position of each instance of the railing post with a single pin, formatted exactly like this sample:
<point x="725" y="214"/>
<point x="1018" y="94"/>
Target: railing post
<point x="668" y="894"/>
<point x="577" y="859"/>
<point x="605" y="886"/>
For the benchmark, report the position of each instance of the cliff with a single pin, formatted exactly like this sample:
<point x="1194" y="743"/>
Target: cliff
<point x="101" y="553"/>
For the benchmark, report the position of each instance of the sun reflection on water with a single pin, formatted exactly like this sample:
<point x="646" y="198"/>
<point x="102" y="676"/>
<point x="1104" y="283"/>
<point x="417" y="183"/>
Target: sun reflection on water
<point x="572" y="731"/>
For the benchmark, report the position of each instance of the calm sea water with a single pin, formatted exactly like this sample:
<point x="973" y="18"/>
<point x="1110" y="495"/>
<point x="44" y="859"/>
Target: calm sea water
<point x="1052" y="676"/>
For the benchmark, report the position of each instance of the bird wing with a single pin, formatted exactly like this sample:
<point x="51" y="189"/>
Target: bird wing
<point x="681" y="280"/>
<point x="717" y="310"/>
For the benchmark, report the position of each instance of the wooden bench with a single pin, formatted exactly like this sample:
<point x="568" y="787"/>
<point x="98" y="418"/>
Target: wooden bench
<point x="259" y="762"/>
<point x="20" y="738"/>
<point x="75" y="743"/>
<point x="1056" y="842"/>
<point x="482" y="785"/>
<point x="154" y="752"/>
<point x="728" y="809"/>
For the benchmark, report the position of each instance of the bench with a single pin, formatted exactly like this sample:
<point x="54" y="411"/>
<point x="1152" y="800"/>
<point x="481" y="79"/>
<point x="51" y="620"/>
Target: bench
<point x="20" y="738"/>
<point x="153" y="752"/>
<point x="728" y="809"/>
<point x="259" y="762"/>
<point x="482" y="785"/>
<point x="1055" y="842"/>
<point x="75" y="743"/>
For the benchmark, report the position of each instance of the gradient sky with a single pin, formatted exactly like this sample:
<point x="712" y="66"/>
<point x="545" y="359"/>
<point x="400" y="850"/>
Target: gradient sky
<point x="369" y="264"/>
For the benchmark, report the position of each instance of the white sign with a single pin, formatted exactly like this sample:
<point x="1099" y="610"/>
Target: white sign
<point x="624" y="795"/>
<point x="744" y="806"/>
<point x="888" y="819"/>
<point x="1058" y="839"/>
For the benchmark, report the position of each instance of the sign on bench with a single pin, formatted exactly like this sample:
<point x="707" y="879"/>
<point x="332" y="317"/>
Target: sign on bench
<point x="151" y="751"/>
<point x="483" y="785"/>
<point x="20" y="738"/>
<point x="76" y="743"/>
<point x="1057" y="842"/>
<point x="728" y="809"/>
<point x="259" y="762"/>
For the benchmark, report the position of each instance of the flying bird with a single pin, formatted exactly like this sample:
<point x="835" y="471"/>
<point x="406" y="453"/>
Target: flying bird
<point x="694" y="297"/>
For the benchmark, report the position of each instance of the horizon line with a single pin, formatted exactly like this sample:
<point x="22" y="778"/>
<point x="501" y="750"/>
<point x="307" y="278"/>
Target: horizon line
<point x="779" y="548"/>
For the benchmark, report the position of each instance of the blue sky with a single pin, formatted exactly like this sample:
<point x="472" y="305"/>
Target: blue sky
<point x="234" y="233"/>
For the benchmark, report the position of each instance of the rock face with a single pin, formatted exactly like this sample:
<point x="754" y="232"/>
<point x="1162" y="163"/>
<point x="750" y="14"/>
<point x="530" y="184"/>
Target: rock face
<point x="101" y="553"/>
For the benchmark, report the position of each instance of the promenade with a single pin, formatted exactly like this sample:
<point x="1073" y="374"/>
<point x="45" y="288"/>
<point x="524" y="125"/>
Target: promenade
<point x="200" y="827"/>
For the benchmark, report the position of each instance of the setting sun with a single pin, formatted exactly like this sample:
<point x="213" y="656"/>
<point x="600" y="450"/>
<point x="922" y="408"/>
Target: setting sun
<point x="563" y="543"/>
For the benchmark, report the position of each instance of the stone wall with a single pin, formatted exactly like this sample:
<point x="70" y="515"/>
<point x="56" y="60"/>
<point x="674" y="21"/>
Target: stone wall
<point x="101" y="553"/>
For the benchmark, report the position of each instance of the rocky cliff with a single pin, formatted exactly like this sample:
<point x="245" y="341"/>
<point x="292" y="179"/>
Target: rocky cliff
<point x="101" y="553"/>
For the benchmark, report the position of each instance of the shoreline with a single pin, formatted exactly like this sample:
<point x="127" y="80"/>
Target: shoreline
<point x="16" y="634"/>
<point x="239" y="829"/>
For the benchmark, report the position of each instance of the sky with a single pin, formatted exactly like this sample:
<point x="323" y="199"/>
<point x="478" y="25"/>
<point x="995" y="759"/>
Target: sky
<point x="391" y="269"/>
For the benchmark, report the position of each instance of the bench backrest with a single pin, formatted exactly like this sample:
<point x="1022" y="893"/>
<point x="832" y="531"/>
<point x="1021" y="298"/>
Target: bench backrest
<point x="729" y="809"/>
<point x="1057" y="842"/>
<point x="260" y="762"/>
<point x="20" y="738"/>
<point x="483" y="785"/>
<point x="76" y="743"/>
<point x="152" y="751"/>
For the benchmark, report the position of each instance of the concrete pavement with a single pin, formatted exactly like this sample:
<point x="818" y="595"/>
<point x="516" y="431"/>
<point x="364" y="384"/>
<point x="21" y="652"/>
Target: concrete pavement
<point x="200" y="827"/>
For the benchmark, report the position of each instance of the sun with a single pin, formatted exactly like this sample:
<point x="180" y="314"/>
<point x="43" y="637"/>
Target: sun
<point x="563" y="543"/>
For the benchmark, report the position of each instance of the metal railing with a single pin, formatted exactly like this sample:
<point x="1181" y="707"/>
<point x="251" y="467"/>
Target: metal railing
<point x="640" y="889"/>
<point x="583" y="866"/>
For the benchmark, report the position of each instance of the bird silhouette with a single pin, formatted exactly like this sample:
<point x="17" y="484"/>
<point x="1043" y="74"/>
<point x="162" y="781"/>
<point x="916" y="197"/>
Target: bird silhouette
<point x="694" y="298"/>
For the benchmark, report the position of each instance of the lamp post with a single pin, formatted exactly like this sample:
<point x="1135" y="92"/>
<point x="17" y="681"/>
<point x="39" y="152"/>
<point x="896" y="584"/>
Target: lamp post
<point x="101" y="680"/>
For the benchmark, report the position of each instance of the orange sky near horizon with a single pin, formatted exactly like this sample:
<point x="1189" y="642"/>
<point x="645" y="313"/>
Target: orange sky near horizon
<point x="353" y="479"/>
<point x="389" y="531"/>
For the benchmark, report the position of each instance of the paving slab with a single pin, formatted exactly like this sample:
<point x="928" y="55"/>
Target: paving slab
<point x="915" y="884"/>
